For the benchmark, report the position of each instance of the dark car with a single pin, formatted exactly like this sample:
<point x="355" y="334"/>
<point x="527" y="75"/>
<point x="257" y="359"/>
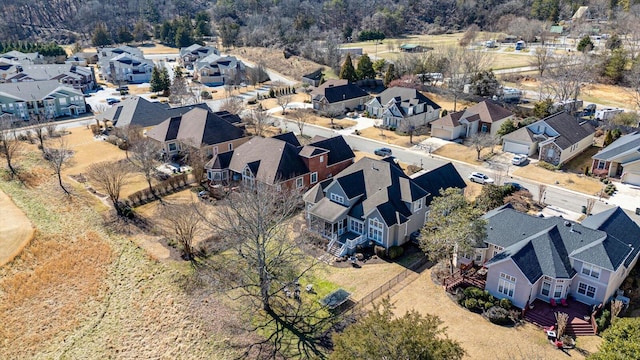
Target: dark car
<point x="515" y="185"/>
<point x="112" y="101"/>
<point x="382" y="152"/>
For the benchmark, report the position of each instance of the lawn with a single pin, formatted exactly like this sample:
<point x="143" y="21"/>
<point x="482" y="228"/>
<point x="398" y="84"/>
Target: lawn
<point x="461" y="153"/>
<point x="578" y="164"/>
<point x="391" y="137"/>
<point x="576" y="182"/>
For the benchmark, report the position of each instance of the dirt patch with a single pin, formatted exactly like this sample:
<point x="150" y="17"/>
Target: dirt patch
<point x="480" y="338"/>
<point x="293" y="67"/>
<point x="16" y="231"/>
<point x="391" y="137"/>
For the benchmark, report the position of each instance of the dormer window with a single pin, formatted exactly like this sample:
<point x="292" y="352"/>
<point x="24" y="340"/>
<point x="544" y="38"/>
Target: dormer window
<point x="337" y="198"/>
<point x="417" y="205"/>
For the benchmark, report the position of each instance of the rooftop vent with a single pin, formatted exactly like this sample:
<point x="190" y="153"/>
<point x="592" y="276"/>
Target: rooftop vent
<point x="566" y="223"/>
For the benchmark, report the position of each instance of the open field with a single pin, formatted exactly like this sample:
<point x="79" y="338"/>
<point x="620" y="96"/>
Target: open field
<point x="480" y="338"/>
<point x="293" y="67"/>
<point x="462" y="153"/>
<point x="16" y="230"/>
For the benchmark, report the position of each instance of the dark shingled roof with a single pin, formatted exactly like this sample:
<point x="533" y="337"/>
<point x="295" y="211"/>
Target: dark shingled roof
<point x="336" y="91"/>
<point x="338" y="148"/>
<point x="405" y="95"/>
<point x="144" y="113"/>
<point x="220" y="161"/>
<point x="441" y="178"/>
<point x="571" y="132"/>
<point x="543" y="246"/>
<point x="289" y="137"/>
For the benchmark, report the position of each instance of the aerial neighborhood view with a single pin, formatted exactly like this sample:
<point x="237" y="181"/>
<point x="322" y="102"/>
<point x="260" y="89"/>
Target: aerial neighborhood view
<point x="331" y="179"/>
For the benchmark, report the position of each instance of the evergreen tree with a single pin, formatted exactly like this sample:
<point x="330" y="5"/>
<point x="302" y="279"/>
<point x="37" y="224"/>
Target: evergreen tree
<point x="615" y="64"/>
<point x="506" y="128"/>
<point x="390" y="75"/>
<point x="183" y="37"/>
<point x="165" y="80"/>
<point x="585" y="44"/>
<point x="156" y="80"/>
<point x="365" y="68"/>
<point x="124" y="35"/>
<point x="100" y="36"/>
<point x="347" y="71"/>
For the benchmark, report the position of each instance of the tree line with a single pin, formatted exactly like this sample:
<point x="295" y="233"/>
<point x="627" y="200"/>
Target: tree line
<point x="44" y="49"/>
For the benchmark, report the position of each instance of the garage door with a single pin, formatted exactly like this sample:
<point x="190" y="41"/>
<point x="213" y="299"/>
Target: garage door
<point x="633" y="179"/>
<point x="515" y="148"/>
<point x="441" y="133"/>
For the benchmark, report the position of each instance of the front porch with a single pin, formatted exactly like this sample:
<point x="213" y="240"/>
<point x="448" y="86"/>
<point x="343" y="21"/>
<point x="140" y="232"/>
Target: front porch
<point x="542" y="314"/>
<point x="345" y="243"/>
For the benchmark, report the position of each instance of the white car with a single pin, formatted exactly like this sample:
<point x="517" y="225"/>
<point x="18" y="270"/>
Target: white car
<point x="519" y="159"/>
<point x="480" y="178"/>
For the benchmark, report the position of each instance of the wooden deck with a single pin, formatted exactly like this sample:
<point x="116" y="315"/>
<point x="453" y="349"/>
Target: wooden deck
<point x="543" y="315"/>
<point x="466" y="276"/>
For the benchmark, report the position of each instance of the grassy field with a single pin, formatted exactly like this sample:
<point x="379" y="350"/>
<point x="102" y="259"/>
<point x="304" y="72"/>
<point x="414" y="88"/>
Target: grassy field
<point x="15" y="230"/>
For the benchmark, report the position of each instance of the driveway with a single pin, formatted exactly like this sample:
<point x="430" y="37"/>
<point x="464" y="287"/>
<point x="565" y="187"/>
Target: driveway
<point x="627" y="196"/>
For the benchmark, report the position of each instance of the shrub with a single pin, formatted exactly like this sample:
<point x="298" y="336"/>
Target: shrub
<point x="473" y="292"/>
<point x="380" y="251"/>
<point x="546" y="165"/>
<point x="252" y="101"/>
<point x="498" y="315"/>
<point x="505" y="304"/>
<point x="603" y="320"/>
<point x="471" y="304"/>
<point x="395" y="252"/>
<point x="205" y="94"/>
<point x="154" y="96"/>
<point x="487" y="305"/>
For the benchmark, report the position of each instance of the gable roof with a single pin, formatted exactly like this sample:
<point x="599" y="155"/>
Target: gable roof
<point x="449" y="120"/>
<point x="406" y="97"/>
<point x="522" y="135"/>
<point x="35" y="90"/>
<point x="543" y="246"/>
<point x="338" y="148"/>
<point x="443" y="177"/>
<point x="618" y="225"/>
<point x="220" y="161"/>
<point x="624" y="145"/>
<point x="288" y="137"/>
<point x="138" y="111"/>
<point x="315" y="76"/>
<point x="338" y="90"/>
<point x="487" y="111"/>
<point x="196" y="127"/>
<point x="571" y="132"/>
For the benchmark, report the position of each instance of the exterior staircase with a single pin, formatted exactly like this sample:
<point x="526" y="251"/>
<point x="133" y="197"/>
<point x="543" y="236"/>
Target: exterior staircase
<point x="335" y="249"/>
<point x="577" y="325"/>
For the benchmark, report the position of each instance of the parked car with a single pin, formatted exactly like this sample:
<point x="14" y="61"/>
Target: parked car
<point x="519" y="159"/>
<point x="480" y="178"/>
<point x="112" y="101"/>
<point x="515" y="185"/>
<point x="382" y="152"/>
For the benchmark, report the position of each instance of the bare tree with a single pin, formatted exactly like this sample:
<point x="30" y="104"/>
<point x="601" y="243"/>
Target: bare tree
<point x="628" y="24"/>
<point x="111" y="177"/>
<point x="284" y="100"/>
<point x="58" y="156"/>
<point x="232" y="104"/>
<point x="260" y="120"/>
<point x="590" y="203"/>
<point x="51" y="129"/>
<point x="462" y="65"/>
<point x="480" y="141"/>
<point x="332" y="113"/>
<point x="541" y="59"/>
<point x="616" y="308"/>
<point x="10" y="146"/>
<point x="469" y="35"/>
<point x="301" y="117"/>
<point x="409" y="126"/>
<point x="257" y="74"/>
<point x="542" y="193"/>
<point x="131" y="134"/>
<point x="37" y="124"/>
<point x="567" y="74"/>
<point x="196" y="158"/>
<point x="562" y="319"/>
<point x="145" y="155"/>
<point x="184" y="223"/>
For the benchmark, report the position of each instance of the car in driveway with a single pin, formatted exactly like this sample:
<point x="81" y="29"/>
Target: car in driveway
<point x="519" y="159"/>
<point x="382" y="152"/>
<point x="112" y="101"/>
<point x="480" y="178"/>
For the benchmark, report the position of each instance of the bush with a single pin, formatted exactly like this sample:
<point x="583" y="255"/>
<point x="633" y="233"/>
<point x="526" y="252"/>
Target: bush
<point x="380" y="251"/>
<point x="505" y="304"/>
<point x="546" y="165"/>
<point x="471" y="304"/>
<point x="498" y="315"/>
<point x="395" y="252"/>
<point x="252" y="101"/>
<point x="154" y="96"/>
<point x="603" y="320"/>
<point x="474" y="292"/>
<point x="205" y="94"/>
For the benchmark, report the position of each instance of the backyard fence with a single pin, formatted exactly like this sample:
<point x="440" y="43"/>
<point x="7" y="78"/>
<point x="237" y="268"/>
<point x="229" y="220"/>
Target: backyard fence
<point x="384" y="288"/>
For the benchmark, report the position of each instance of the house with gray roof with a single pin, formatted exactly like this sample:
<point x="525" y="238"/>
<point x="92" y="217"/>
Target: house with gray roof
<point x="374" y="200"/>
<point x="201" y="129"/>
<point x="621" y="159"/>
<point x="485" y="117"/>
<point x="79" y="77"/>
<point x="553" y="258"/>
<point x="557" y="139"/>
<point x="41" y="98"/>
<point x="216" y="70"/>
<point x="191" y="54"/>
<point x="124" y="64"/>
<point x="22" y="58"/>
<point x="140" y="112"/>
<point x="400" y="107"/>
<point x="281" y="162"/>
<point x="338" y="95"/>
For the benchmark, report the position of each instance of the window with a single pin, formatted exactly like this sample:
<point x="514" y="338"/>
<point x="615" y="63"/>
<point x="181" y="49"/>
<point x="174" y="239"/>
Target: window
<point x="356" y="226"/>
<point x="497" y="250"/>
<point x="507" y="285"/>
<point x="485" y="128"/>
<point x="299" y="182"/>
<point x="591" y="270"/>
<point x="321" y="158"/>
<point x="337" y="198"/>
<point x="417" y="205"/>
<point x="587" y="290"/>
<point x="478" y="257"/>
<point x="314" y="177"/>
<point x="62" y="101"/>
<point x="546" y="288"/>
<point x="376" y="230"/>
<point x="601" y="164"/>
<point x="558" y="291"/>
<point x="230" y="147"/>
<point x="209" y="176"/>
<point x="173" y="147"/>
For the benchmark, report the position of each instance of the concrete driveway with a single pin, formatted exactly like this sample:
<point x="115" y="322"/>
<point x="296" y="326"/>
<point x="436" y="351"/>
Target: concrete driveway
<point x="627" y="196"/>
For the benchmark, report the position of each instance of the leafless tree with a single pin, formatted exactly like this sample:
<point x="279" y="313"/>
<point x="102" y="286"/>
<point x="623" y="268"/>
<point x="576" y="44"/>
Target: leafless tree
<point x="260" y="120"/>
<point x="541" y="59"/>
<point x="37" y="124"/>
<point x="284" y="100"/>
<point x="184" y="224"/>
<point x="332" y="112"/>
<point x="590" y="203"/>
<point x="131" y="134"/>
<point x="628" y="24"/>
<point x="462" y="65"/>
<point x="10" y="146"/>
<point x="480" y="141"/>
<point x="542" y="193"/>
<point x="58" y="156"/>
<point x="562" y="319"/>
<point x="469" y="35"/>
<point x="145" y="156"/>
<point x="51" y="129"/>
<point x="409" y="126"/>
<point x="301" y="117"/>
<point x="111" y="177"/>
<point x="527" y="29"/>
<point x="232" y="104"/>
<point x="567" y="74"/>
<point x="196" y="158"/>
<point x="616" y="308"/>
<point x="257" y="74"/>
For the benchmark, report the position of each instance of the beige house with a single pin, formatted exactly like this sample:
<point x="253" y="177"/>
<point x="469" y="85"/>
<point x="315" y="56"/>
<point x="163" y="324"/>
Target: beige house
<point x="338" y="95"/>
<point x="486" y="117"/>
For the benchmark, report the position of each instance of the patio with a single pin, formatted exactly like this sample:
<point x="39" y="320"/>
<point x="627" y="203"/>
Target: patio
<point x="543" y="314"/>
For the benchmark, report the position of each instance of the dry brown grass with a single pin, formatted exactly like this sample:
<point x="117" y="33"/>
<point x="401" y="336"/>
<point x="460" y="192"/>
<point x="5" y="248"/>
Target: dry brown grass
<point x="461" y="153"/>
<point x="390" y="137"/>
<point x="569" y="181"/>
<point x="293" y="67"/>
<point x="16" y="231"/>
<point x="446" y="102"/>
<point x="480" y="338"/>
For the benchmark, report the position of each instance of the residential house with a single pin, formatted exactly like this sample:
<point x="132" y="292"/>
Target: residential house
<point x="313" y="79"/>
<point x="22" y="58"/>
<point x="41" y="98"/>
<point x="553" y="258"/>
<point x="138" y="111"/>
<point x="621" y="159"/>
<point x="374" y="200"/>
<point x="400" y="107"/>
<point x="216" y="70"/>
<point x="557" y="139"/>
<point x="191" y="54"/>
<point x="201" y="129"/>
<point x="412" y="48"/>
<point x="280" y="162"/>
<point x="124" y="64"/>
<point x="338" y="95"/>
<point x="8" y="68"/>
<point x="82" y="58"/>
<point x="486" y="117"/>
<point x="81" y="78"/>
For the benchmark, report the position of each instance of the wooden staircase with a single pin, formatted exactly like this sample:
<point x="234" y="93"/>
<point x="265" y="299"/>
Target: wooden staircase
<point x="577" y="326"/>
<point x="335" y="249"/>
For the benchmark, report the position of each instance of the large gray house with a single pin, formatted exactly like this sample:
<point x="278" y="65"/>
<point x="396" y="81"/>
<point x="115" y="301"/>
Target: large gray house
<point x="397" y="106"/>
<point x="554" y="258"/>
<point x="44" y="98"/>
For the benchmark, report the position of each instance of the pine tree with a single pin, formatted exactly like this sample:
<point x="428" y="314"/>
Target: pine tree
<point x="156" y="80"/>
<point x="165" y="80"/>
<point x="124" y="35"/>
<point x="100" y="36"/>
<point x="365" y="68"/>
<point x="390" y="75"/>
<point x="347" y="71"/>
<point x="183" y="37"/>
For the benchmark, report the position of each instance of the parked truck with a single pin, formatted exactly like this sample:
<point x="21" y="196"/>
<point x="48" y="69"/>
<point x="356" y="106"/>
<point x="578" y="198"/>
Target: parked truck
<point x="607" y="114"/>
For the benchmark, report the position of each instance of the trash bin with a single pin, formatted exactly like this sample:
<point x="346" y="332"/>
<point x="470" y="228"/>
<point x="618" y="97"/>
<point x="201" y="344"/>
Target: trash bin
<point x="637" y="211"/>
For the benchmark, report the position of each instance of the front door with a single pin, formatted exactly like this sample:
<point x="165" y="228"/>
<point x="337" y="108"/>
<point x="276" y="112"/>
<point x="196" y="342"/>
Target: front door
<point x="340" y="227"/>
